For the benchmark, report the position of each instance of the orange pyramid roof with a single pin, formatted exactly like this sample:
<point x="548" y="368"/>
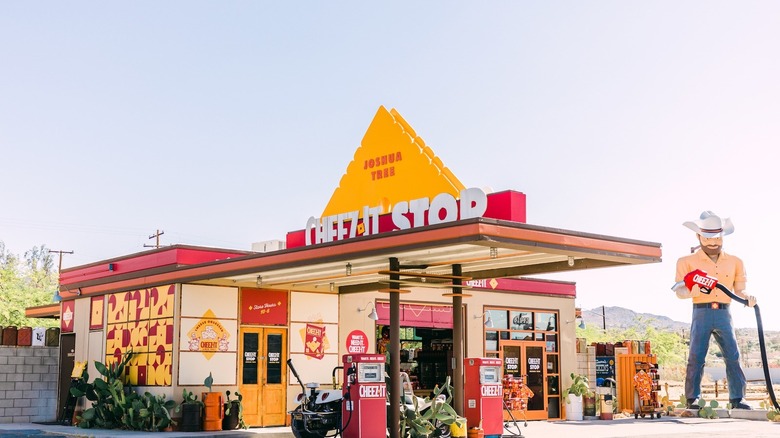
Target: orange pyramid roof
<point x="391" y="165"/>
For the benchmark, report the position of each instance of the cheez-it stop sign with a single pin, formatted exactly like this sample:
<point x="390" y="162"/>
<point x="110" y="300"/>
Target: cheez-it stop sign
<point x="357" y="342"/>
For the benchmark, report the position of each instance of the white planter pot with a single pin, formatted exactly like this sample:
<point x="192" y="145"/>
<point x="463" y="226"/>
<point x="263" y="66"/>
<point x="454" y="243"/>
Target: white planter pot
<point x="574" y="407"/>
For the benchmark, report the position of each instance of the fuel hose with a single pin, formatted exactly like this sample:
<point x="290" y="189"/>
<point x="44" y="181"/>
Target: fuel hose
<point x="761" y="344"/>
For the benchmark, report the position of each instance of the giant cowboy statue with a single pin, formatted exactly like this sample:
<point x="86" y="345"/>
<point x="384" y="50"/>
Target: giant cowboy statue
<point x="711" y="315"/>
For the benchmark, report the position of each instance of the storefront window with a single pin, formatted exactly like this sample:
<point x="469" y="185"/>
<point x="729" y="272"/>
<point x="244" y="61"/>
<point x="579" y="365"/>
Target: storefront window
<point x="522" y="320"/>
<point x="520" y="336"/>
<point x="491" y="341"/>
<point x="552" y="343"/>
<point x="522" y="325"/>
<point x="546" y="322"/>
<point x="273" y="368"/>
<point x="552" y="363"/>
<point x="500" y="320"/>
<point x="552" y="385"/>
<point x="249" y="364"/>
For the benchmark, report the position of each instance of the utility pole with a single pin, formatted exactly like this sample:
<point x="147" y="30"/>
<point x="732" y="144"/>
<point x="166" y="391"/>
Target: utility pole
<point x="60" y="253"/>
<point x="603" y="318"/>
<point x="155" y="236"/>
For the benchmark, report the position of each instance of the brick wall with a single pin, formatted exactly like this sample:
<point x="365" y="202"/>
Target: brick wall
<point x="28" y="384"/>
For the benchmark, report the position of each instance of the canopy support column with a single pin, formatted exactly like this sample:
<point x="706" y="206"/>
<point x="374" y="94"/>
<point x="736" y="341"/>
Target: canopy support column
<point x="394" y="348"/>
<point x="457" y="341"/>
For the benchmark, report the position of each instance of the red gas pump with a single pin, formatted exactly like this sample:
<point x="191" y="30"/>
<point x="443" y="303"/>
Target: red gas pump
<point x="484" y="394"/>
<point x="364" y="412"/>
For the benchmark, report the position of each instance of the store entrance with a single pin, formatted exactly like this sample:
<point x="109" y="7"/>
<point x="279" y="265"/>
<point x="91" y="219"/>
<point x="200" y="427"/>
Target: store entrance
<point x="263" y="376"/>
<point x="528" y="359"/>
<point x="426" y="356"/>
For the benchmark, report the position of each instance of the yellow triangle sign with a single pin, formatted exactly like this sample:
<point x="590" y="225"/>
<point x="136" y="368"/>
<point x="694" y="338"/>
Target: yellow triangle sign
<point x="391" y="165"/>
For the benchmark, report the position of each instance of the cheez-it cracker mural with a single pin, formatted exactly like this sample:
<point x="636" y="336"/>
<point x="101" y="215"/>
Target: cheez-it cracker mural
<point x="141" y="321"/>
<point x="208" y="336"/>
<point x="315" y="342"/>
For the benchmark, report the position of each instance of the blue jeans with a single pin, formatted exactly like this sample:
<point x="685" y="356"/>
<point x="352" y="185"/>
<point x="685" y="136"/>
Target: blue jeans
<point x="706" y="322"/>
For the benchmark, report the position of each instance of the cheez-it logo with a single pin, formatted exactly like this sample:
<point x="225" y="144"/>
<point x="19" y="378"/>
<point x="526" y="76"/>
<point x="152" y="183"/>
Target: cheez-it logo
<point x="704" y="281"/>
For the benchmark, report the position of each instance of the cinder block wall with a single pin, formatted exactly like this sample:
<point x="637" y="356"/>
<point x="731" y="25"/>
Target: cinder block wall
<point x="586" y="364"/>
<point x="28" y="384"/>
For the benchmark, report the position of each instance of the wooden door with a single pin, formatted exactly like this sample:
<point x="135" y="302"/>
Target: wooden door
<point x="263" y="376"/>
<point x="527" y="359"/>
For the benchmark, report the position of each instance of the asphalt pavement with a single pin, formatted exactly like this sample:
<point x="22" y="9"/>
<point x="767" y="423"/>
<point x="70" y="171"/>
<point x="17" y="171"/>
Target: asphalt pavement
<point x="619" y="428"/>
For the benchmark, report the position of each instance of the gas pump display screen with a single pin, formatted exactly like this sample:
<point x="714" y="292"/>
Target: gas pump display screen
<point x="489" y="375"/>
<point x="370" y="372"/>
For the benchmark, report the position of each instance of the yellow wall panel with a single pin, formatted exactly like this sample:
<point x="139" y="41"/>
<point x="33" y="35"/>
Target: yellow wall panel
<point x="139" y="336"/>
<point x="115" y="334"/>
<point x="159" y="370"/>
<point x="141" y="321"/>
<point x="136" y="369"/>
<point x="161" y="335"/>
<point x="161" y="301"/>
<point x="117" y="308"/>
<point x="96" y="313"/>
<point x="138" y="305"/>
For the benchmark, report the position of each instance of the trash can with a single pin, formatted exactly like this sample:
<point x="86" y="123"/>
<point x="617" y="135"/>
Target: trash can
<point x="589" y="405"/>
<point x="606" y="406"/>
<point x="608" y="400"/>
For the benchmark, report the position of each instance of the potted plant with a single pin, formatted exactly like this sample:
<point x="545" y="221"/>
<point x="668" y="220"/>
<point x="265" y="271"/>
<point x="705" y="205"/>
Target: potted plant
<point x="213" y="411"/>
<point x="190" y="409"/>
<point x="573" y="395"/>
<point x="234" y="412"/>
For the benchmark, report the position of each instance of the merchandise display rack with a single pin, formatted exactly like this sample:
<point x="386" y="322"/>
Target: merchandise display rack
<point x="646" y="388"/>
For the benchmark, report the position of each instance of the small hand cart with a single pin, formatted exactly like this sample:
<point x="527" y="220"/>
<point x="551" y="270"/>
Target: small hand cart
<point x="645" y="407"/>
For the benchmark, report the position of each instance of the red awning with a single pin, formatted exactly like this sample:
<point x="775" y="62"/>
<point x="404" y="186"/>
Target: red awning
<point x="417" y="315"/>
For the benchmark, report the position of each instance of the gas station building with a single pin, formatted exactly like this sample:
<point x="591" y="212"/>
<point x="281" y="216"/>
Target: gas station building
<point x="402" y="244"/>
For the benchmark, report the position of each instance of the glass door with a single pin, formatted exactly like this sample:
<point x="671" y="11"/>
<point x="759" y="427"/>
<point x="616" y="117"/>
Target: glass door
<point x="527" y="360"/>
<point x="534" y="363"/>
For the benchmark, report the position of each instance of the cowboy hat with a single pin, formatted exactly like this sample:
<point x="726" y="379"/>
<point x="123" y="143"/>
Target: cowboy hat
<point x="711" y="225"/>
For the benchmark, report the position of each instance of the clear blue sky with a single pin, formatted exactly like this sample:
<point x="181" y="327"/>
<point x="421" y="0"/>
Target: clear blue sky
<point x="229" y="123"/>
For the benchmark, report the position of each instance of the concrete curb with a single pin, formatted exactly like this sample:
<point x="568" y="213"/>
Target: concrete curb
<point x="740" y="414"/>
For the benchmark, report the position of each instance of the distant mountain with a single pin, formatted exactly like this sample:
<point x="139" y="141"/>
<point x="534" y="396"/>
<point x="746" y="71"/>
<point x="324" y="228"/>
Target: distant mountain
<point x="622" y="318"/>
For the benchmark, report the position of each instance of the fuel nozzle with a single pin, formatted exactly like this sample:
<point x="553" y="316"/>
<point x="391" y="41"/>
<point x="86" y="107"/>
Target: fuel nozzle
<point x="680" y="288"/>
